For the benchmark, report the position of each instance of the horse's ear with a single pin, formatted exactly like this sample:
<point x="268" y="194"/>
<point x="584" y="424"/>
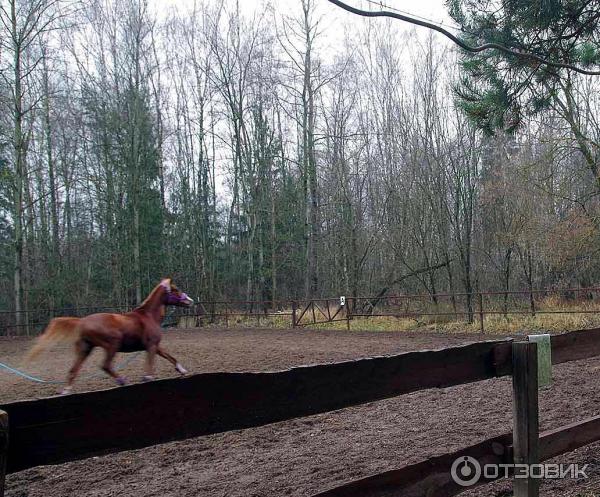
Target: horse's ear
<point x="166" y="284"/>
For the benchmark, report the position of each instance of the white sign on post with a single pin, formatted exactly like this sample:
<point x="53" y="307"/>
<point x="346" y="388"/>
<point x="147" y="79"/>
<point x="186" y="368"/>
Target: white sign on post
<point x="342" y="301"/>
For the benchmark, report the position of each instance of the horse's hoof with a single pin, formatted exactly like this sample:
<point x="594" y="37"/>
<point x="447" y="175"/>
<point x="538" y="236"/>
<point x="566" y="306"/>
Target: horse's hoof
<point x="180" y="369"/>
<point x="66" y="391"/>
<point x="148" y="378"/>
<point x="121" y="381"/>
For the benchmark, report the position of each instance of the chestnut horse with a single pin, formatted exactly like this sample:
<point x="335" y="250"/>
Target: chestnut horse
<point x="129" y="332"/>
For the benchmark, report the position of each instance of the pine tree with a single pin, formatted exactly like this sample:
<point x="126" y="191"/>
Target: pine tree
<point x="499" y="89"/>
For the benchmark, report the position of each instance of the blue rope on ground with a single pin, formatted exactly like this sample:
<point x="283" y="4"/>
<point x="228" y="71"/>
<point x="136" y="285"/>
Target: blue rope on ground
<point x="29" y="377"/>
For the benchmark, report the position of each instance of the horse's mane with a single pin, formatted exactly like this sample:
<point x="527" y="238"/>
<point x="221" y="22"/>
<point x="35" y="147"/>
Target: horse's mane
<point x="148" y="299"/>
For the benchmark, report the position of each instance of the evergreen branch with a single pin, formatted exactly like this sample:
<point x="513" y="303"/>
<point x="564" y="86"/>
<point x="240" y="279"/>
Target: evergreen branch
<point x="461" y="43"/>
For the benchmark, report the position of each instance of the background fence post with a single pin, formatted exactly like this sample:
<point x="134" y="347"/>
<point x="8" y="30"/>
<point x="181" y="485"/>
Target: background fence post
<point x="3" y="449"/>
<point x="348" y="314"/>
<point x="481" y="312"/>
<point x="525" y="415"/>
<point x="294" y="307"/>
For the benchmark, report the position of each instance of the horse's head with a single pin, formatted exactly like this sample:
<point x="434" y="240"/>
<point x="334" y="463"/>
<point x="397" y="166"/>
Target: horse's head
<point x="173" y="295"/>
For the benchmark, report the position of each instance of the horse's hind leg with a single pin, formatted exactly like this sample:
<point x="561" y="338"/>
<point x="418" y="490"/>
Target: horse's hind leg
<point x="107" y="366"/>
<point x="150" y="356"/>
<point x="83" y="349"/>
<point x="163" y="353"/>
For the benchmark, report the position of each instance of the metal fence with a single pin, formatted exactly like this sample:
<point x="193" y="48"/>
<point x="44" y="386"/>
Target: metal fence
<point x="435" y="307"/>
<point x="445" y="307"/>
<point x="222" y="312"/>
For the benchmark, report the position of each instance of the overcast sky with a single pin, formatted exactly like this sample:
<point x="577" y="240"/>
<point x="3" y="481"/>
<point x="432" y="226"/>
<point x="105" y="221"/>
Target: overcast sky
<point x="434" y="10"/>
<point x="334" y="17"/>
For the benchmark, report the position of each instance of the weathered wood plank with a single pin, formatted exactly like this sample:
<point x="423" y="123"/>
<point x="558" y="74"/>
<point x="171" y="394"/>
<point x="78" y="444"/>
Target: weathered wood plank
<point x="3" y="449"/>
<point x="525" y="415"/>
<point x="576" y="345"/>
<point x="433" y="476"/>
<point x="427" y="478"/>
<point x="569" y="437"/>
<point x="58" y="429"/>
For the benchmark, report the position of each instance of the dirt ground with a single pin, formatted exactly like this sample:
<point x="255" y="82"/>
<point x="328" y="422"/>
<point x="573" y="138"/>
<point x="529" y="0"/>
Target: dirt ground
<point x="307" y="455"/>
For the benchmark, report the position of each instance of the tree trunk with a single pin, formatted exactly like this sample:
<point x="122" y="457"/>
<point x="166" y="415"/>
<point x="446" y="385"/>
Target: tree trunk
<point x="507" y="260"/>
<point x="19" y="157"/>
<point x="51" y="173"/>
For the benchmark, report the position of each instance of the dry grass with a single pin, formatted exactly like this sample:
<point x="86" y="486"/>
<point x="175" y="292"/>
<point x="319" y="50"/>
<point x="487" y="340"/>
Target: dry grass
<point x="493" y="324"/>
<point x="548" y="318"/>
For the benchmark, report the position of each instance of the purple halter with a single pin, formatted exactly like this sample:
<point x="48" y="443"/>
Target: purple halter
<point x="173" y="299"/>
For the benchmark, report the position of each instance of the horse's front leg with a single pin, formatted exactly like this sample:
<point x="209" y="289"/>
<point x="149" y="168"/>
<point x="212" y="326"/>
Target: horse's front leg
<point x="163" y="353"/>
<point x="150" y="356"/>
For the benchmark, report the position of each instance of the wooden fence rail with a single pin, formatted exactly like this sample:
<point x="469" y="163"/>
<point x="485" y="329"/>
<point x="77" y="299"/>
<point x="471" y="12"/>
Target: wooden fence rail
<point x="432" y="477"/>
<point x="60" y="429"/>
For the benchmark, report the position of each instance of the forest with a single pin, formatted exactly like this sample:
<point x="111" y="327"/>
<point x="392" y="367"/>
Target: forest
<point x="275" y="153"/>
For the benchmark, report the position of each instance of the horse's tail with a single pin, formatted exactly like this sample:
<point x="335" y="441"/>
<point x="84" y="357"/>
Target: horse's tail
<point x="59" y="330"/>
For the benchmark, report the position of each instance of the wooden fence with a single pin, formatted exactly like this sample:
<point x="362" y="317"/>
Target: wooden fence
<point x="60" y="429"/>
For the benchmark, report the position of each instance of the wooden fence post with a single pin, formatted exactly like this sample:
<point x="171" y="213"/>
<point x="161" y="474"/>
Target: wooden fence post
<point x="525" y="415"/>
<point x="3" y="449"/>
<point x="481" y="329"/>
<point x="294" y="308"/>
<point x="348" y="314"/>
